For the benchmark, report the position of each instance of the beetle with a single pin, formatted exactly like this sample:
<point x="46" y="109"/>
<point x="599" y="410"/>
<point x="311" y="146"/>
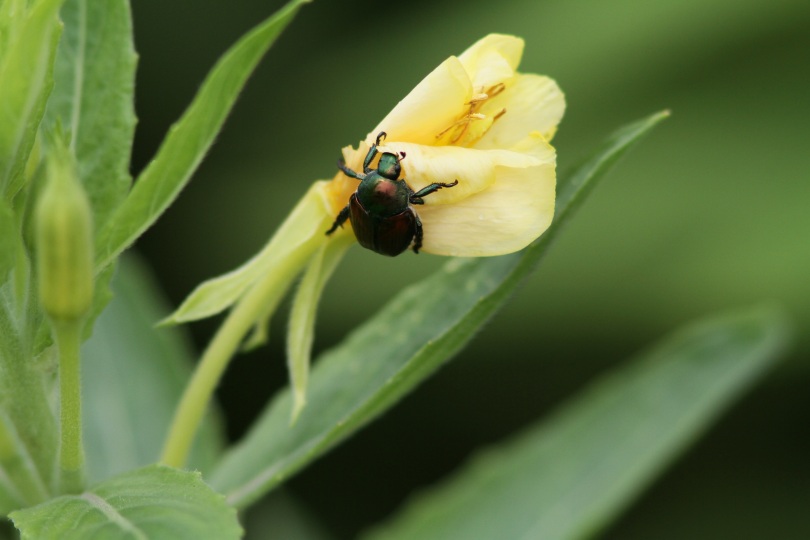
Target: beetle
<point x="380" y="210"/>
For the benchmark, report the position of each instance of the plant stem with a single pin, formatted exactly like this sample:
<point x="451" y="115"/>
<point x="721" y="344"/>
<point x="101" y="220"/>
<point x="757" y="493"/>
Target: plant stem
<point x="71" y="452"/>
<point x="252" y="307"/>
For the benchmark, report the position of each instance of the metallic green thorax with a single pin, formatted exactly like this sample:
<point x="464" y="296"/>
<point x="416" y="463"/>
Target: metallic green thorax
<point x="380" y="210"/>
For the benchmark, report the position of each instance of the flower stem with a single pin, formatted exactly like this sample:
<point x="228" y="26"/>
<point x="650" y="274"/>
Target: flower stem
<point x="252" y="307"/>
<point x="71" y="452"/>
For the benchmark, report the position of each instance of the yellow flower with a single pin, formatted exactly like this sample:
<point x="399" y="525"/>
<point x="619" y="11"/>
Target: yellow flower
<point x="474" y="119"/>
<point x="477" y="120"/>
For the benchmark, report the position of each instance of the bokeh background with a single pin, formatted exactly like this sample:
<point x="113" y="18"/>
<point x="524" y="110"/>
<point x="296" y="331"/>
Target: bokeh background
<point x="712" y="211"/>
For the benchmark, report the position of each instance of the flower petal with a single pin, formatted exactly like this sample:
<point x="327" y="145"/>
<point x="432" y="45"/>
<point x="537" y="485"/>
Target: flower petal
<point x="474" y="169"/>
<point x="436" y="102"/>
<point x="505" y="218"/>
<point x="283" y="256"/>
<point x="492" y="59"/>
<point x="532" y="103"/>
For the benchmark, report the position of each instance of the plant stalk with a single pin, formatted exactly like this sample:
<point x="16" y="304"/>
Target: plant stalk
<point x="252" y="307"/>
<point x="71" y="450"/>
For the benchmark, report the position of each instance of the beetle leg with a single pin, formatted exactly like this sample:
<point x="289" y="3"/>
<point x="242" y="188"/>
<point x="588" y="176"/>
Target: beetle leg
<point x="373" y="151"/>
<point x="416" y="198"/>
<point x="348" y="172"/>
<point x="417" y="237"/>
<point x="340" y="219"/>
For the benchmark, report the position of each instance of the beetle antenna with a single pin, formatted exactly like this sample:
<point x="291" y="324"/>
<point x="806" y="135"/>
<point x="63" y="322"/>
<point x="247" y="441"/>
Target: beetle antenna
<point x="401" y="156"/>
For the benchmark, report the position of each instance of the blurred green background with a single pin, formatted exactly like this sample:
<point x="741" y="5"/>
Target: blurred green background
<point x="711" y="212"/>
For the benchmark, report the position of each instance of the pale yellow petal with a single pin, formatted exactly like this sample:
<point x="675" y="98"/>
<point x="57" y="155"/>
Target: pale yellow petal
<point x="435" y="103"/>
<point x="505" y="218"/>
<point x="474" y="169"/>
<point x="492" y="60"/>
<point x="532" y="103"/>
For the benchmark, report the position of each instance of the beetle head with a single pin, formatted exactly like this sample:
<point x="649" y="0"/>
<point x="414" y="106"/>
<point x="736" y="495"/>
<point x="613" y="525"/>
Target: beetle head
<point x="388" y="166"/>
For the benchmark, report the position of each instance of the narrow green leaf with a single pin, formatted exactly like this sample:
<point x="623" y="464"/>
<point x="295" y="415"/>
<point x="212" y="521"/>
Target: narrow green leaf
<point x="569" y="476"/>
<point x="189" y="139"/>
<point x="302" y="317"/>
<point x="26" y="72"/>
<point x="93" y="97"/>
<point x="8" y="240"/>
<point x="133" y="375"/>
<point x="11" y="13"/>
<point x="409" y="339"/>
<point x="283" y="256"/>
<point x="151" y="503"/>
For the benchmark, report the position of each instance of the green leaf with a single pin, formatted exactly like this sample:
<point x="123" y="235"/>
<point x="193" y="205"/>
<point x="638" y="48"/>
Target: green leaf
<point x="8" y="240"/>
<point x="20" y="482"/>
<point x="133" y="375"/>
<point x="26" y="72"/>
<point x="11" y="13"/>
<point x="189" y="139"/>
<point x="567" y="477"/>
<point x="93" y="97"/>
<point x="409" y="339"/>
<point x="156" y="502"/>
<point x="283" y="257"/>
<point x="302" y="317"/>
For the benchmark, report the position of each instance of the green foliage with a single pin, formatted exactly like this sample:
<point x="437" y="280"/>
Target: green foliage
<point x="26" y="69"/>
<point x="301" y="331"/>
<point x="93" y="97"/>
<point x="93" y="101"/>
<point x="189" y="139"/>
<point x="570" y="475"/>
<point x="154" y="502"/>
<point x="22" y="485"/>
<point x="292" y="242"/>
<point x="85" y="82"/>
<point x="8" y="241"/>
<point x="67" y="71"/>
<point x="398" y="348"/>
<point x="133" y="375"/>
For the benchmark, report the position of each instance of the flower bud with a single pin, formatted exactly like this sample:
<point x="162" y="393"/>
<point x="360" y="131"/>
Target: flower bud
<point x="64" y="242"/>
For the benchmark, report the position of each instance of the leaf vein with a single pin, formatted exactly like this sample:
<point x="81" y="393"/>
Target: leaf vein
<point x="113" y="515"/>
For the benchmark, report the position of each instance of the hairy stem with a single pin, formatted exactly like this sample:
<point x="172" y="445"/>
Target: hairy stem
<point x="71" y="451"/>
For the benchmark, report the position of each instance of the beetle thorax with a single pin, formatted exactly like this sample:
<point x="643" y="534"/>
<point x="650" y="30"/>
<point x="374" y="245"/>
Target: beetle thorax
<point x="381" y="196"/>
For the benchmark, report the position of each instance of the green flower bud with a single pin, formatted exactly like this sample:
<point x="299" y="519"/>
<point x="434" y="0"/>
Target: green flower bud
<point x="64" y="240"/>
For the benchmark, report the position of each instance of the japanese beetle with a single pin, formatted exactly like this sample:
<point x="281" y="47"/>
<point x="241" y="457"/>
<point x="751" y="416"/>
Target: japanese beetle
<point x="380" y="210"/>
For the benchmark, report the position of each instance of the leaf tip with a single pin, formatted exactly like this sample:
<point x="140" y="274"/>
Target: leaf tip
<point x="167" y="321"/>
<point x="662" y="115"/>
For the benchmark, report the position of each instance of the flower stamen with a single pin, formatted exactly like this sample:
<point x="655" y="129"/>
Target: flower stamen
<point x="475" y="104"/>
